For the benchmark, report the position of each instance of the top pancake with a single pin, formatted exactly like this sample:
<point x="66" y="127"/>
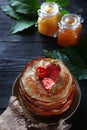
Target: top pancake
<point x="33" y="88"/>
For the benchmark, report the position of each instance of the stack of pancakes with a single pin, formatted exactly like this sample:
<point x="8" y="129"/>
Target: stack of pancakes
<point x="40" y="101"/>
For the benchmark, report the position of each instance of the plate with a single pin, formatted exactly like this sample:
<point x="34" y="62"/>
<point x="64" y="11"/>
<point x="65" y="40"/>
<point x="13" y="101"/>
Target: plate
<point x="67" y="114"/>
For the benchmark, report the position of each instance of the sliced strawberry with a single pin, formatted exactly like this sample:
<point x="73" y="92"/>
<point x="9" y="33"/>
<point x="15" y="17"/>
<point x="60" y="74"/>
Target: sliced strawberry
<point x="41" y="71"/>
<point x="50" y="68"/>
<point x="54" y="75"/>
<point x="53" y="71"/>
<point x="48" y="83"/>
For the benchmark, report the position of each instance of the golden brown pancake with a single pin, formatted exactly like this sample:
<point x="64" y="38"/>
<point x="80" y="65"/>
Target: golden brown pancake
<point x="36" y="98"/>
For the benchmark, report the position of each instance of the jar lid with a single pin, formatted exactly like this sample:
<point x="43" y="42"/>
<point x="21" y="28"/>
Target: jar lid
<point x="48" y="9"/>
<point x="70" y="21"/>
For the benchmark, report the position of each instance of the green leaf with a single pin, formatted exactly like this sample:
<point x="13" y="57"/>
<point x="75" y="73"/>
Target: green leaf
<point x="64" y="11"/>
<point x="25" y="6"/>
<point x="20" y="8"/>
<point x="63" y="3"/>
<point x="29" y="2"/>
<point x="73" y="60"/>
<point x="11" y="12"/>
<point x="21" y="25"/>
<point x="25" y="11"/>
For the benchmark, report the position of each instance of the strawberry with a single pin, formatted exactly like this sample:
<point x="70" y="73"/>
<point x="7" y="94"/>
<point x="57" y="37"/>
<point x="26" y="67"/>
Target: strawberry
<point x="48" y="75"/>
<point x="54" y="75"/>
<point x="53" y="71"/>
<point x="41" y="71"/>
<point x="48" y="83"/>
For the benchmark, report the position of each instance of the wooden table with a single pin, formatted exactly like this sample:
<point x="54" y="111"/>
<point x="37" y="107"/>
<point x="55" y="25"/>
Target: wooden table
<point x="17" y="50"/>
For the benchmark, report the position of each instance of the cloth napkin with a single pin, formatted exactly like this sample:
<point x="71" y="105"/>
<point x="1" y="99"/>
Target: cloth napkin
<point x="13" y="119"/>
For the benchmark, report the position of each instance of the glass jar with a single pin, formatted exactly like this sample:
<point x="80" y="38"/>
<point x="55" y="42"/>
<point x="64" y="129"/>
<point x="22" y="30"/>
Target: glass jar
<point x="69" y="30"/>
<point x="48" y="19"/>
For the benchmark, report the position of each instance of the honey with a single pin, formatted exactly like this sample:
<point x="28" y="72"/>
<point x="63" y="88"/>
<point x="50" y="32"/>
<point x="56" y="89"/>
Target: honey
<point x="49" y="16"/>
<point x="70" y="28"/>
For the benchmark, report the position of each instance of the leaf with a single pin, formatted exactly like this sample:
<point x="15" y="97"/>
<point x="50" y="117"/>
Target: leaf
<point x="64" y="11"/>
<point x="25" y="6"/>
<point x="10" y="11"/>
<point x="29" y="2"/>
<point x="73" y="60"/>
<point x="21" y="25"/>
<point x="21" y="8"/>
<point x="63" y="3"/>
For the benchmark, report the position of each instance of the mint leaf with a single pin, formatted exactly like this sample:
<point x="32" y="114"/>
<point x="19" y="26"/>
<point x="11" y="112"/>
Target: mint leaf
<point x="73" y="60"/>
<point x="21" y="25"/>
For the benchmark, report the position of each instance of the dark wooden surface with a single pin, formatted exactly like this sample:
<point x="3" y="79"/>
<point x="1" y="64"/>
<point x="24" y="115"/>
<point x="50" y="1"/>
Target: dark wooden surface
<point x="17" y="50"/>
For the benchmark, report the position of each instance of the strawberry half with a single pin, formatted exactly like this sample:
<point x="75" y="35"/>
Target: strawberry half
<point x="41" y="71"/>
<point x="48" y="83"/>
<point x="53" y="71"/>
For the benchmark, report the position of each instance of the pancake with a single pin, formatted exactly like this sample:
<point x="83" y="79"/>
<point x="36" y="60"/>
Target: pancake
<point x="46" y="102"/>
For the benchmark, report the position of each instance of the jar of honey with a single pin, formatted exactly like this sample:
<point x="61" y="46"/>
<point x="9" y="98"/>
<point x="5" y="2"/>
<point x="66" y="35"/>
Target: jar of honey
<point x="49" y="16"/>
<point x="69" y="30"/>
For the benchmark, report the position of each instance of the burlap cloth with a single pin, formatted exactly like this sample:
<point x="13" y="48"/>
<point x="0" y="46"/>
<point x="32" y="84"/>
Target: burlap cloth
<point x="13" y="119"/>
